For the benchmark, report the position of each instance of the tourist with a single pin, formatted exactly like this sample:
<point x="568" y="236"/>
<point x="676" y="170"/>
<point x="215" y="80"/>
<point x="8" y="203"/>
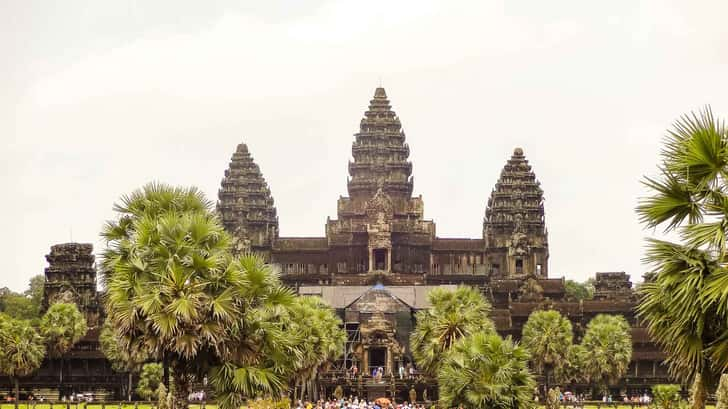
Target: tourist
<point x="401" y="371"/>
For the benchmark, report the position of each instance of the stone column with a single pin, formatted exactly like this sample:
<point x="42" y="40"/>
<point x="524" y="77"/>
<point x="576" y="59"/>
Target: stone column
<point x="388" y="362"/>
<point x="389" y="260"/>
<point x="371" y="259"/>
<point x="365" y="363"/>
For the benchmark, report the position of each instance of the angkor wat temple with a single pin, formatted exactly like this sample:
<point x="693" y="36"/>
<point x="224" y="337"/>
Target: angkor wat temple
<point x="380" y="256"/>
<point x="375" y="265"/>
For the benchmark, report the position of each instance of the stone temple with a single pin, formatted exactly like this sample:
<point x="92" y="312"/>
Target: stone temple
<point x="375" y="265"/>
<point x="380" y="256"/>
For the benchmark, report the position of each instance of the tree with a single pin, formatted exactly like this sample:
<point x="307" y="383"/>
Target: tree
<point x="25" y="306"/>
<point x="452" y="315"/>
<point x="571" y="370"/>
<point x="62" y="326"/>
<point x="609" y="345"/>
<point x="175" y="290"/>
<point x="482" y="370"/>
<point x="576" y="291"/>
<point x="684" y="298"/>
<point x="666" y="396"/>
<point x="21" y="350"/>
<point x="35" y="292"/>
<point x="547" y="335"/>
<point x="149" y="380"/>
<point x="121" y="359"/>
<point x="320" y="339"/>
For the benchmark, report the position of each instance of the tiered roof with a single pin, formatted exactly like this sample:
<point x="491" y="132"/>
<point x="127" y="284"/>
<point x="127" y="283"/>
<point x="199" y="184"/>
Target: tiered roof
<point x="516" y="203"/>
<point x="380" y="154"/>
<point x="245" y="202"/>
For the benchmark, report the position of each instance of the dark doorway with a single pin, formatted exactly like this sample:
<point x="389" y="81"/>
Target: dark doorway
<point x="377" y="357"/>
<point x="380" y="259"/>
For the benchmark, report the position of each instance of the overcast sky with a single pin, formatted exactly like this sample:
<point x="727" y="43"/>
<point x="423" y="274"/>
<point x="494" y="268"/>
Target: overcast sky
<point x="100" y="97"/>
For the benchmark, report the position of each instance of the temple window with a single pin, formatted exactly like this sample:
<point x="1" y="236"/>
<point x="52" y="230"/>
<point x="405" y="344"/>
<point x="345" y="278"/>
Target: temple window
<point x="538" y="269"/>
<point x="341" y="267"/>
<point x="519" y="266"/>
<point x="495" y="268"/>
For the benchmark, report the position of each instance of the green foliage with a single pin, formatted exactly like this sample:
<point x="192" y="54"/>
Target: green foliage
<point x="21" y="348"/>
<point x="121" y="359"/>
<point x="666" y="396"/>
<point x="25" y="306"/>
<point x="62" y="327"/>
<point x="571" y="369"/>
<point x="161" y="396"/>
<point x="174" y="289"/>
<point x="721" y="394"/>
<point x="547" y="335"/>
<point x="576" y="291"/>
<point x="149" y="380"/>
<point x="452" y="315"/>
<point x="320" y="337"/>
<point x="609" y="345"/>
<point x="483" y="370"/>
<point x="684" y="301"/>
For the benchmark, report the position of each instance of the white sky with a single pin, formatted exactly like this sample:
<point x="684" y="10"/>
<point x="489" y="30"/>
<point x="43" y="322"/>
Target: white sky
<point x="100" y="97"/>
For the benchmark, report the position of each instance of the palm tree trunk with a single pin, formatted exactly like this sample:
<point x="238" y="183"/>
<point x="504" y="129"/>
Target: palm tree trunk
<point x="17" y="391"/>
<point x="165" y="366"/>
<point x="698" y="393"/>
<point x="181" y="390"/>
<point x="129" y="387"/>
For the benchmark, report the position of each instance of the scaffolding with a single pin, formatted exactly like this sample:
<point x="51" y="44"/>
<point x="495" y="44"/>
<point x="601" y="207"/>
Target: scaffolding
<point x="353" y="337"/>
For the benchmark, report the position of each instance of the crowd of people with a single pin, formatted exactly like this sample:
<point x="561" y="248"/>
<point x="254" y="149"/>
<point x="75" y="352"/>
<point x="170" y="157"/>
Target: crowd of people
<point x="404" y="372"/>
<point x="355" y="403"/>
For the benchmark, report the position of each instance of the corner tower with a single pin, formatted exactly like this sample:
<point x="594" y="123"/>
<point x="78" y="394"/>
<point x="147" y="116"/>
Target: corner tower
<point x="514" y="228"/>
<point x="246" y="205"/>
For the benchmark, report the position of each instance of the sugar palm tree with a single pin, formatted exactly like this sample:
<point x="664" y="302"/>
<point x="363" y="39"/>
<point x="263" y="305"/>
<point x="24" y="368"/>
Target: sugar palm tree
<point x="452" y="315"/>
<point x="483" y="370"/>
<point x="320" y="340"/>
<point x="609" y="344"/>
<point x="547" y="335"/>
<point x="21" y="350"/>
<point x="684" y="299"/>
<point x="62" y="326"/>
<point x="174" y="290"/>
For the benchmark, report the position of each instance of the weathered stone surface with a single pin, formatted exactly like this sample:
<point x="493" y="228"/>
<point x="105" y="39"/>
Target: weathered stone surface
<point x="246" y="205"/>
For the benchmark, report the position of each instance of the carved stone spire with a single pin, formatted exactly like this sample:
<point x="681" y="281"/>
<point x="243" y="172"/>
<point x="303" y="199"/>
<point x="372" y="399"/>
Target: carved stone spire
<point x="71" y="278"/>
<point x="380" y="154"/>
<point x="514" y="219"/>
<point x="246" y="205"/>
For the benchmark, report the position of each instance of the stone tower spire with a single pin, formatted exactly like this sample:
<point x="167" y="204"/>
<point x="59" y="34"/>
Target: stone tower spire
<point x="514" y="228"/>
<point x="71" y="278"/>
<point x="380" y="154"/>
<point x="246" y="205"/>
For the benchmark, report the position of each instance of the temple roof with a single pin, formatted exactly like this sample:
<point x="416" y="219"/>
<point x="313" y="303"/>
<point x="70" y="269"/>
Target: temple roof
<point x="380" y="154"/>
<point x="245" y="202"/>
<point x="378" y="299"/>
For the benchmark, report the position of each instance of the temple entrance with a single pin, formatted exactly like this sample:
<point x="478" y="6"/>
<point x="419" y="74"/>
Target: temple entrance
<point x="380" y="259"/>
<point x="377" y="358"/>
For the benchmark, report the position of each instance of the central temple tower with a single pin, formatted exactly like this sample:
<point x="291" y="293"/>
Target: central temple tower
<point x="380" y="223"/>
